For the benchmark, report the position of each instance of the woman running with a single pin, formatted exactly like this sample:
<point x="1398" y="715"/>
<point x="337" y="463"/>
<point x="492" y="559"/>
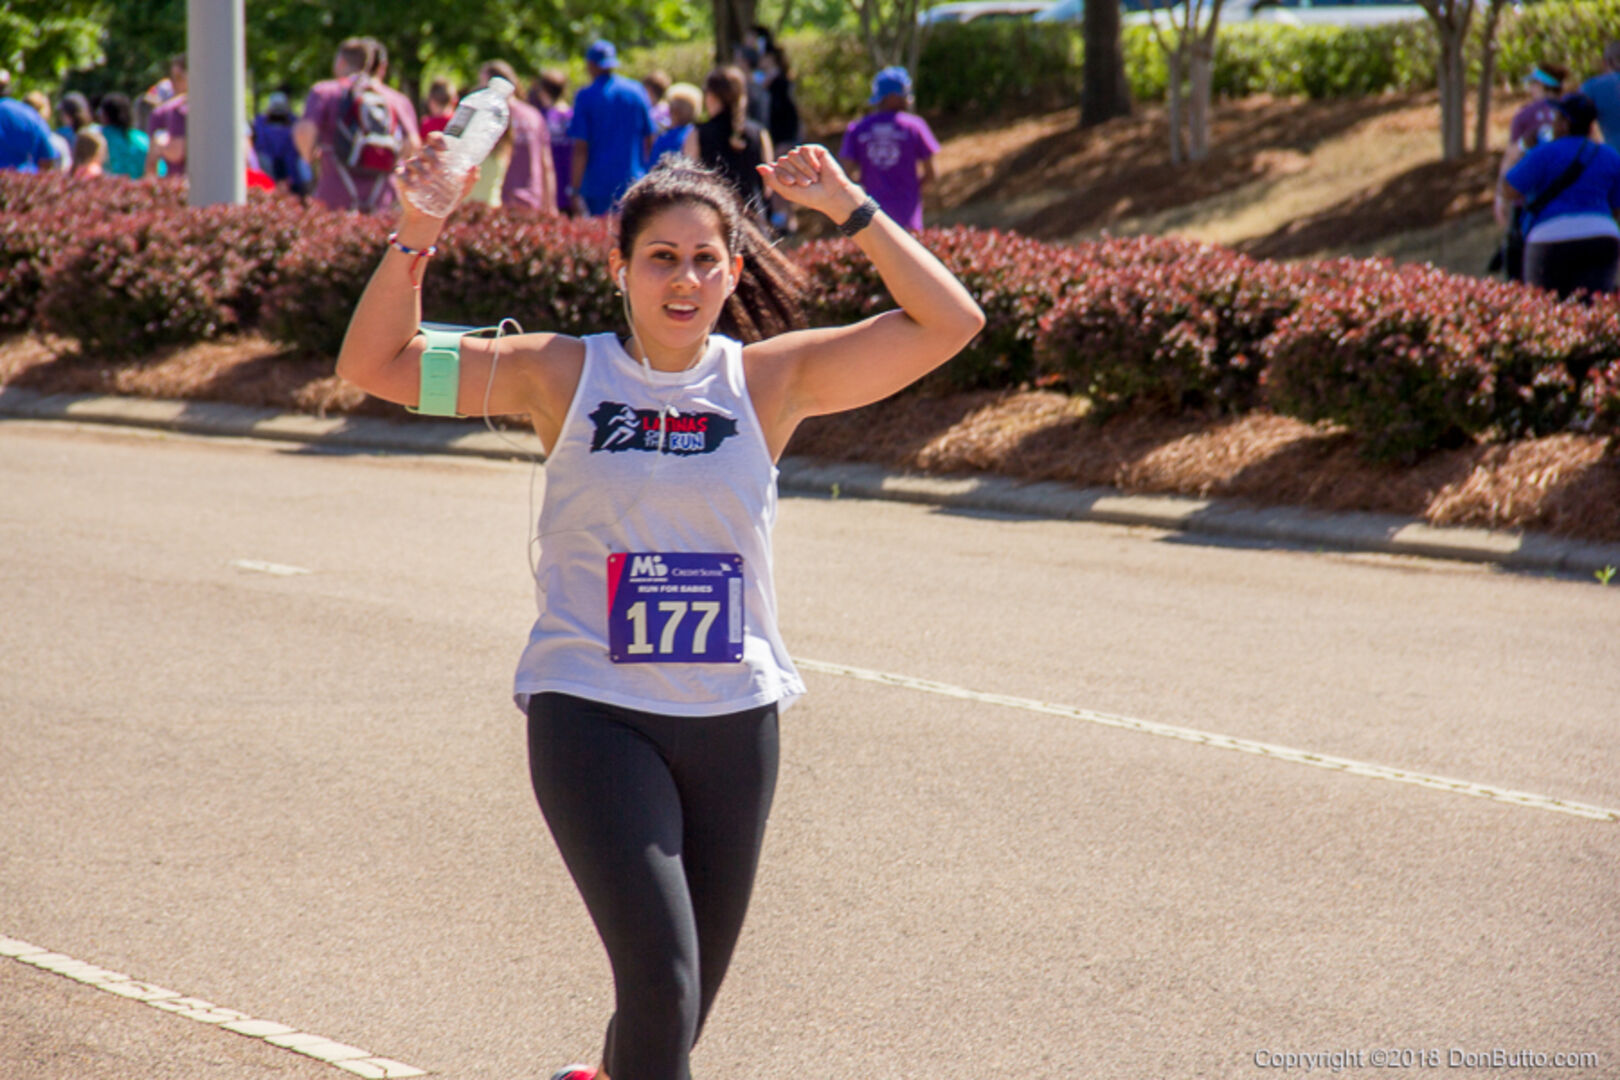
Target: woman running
<point x="654" y="674"/>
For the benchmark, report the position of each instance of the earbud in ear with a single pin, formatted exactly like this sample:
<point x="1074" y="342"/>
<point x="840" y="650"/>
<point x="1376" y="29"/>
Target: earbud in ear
<point x="622" y="285"/>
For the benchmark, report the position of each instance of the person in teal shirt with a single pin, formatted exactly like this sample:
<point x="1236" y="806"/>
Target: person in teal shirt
<point x="126" y="145"/>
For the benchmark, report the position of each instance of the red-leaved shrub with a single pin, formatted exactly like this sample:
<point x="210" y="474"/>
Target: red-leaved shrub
<point x="548" y="273"/>
<point x="1387" y="351"/>
<point x="160" y="277"/>
<point x="1166" y="327"/>
<point x="23" y="193"/>
<point x="1409" y="358"/>
<point x="1015" y="279"/>
<point x="29" y="243"/>
<point x="320" y="278"/>
<point x="1600" y="400"/>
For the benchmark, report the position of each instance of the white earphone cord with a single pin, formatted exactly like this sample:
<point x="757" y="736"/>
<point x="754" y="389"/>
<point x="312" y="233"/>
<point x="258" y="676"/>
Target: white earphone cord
<point x="667" y="410"/>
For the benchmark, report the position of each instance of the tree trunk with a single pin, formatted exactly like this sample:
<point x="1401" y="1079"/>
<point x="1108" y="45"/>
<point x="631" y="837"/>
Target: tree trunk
<point x="407" y="65"/>
<point x="1487" y="77"/>
<point x="1176" y="61"/>
<point x="1201" y="64"/>
<point x="1451" y="21"/>
<point x="1105" y="94"/>
<point x="732" y="18"/>
<point x="1453" y="94"/>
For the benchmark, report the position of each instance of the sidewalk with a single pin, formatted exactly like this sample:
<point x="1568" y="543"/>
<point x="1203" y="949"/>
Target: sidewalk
<point x="1385" y="533"/>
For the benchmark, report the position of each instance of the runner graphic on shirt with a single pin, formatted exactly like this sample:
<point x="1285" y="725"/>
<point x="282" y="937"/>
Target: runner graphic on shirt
<point x="620" y="427"/>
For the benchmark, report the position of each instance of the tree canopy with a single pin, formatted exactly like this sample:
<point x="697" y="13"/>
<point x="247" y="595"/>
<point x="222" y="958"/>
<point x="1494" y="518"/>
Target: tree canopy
<point x="41" y="40"/>
<point x="293" y="41"/>
<point x="99" y="45"/>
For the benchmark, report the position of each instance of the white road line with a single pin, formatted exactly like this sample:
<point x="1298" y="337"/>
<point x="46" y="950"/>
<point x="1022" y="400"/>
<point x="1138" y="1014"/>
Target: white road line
<point x="1225" y="742"/>
<point x="260" y="567"/>
<point x="348" y="1058"/>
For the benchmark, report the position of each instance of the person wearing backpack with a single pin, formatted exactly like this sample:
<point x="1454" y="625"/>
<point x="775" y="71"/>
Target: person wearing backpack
<point x="360" y="130"/>
<point x="1571" y="188"/>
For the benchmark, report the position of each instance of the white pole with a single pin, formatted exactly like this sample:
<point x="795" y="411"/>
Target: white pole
<point x="216" y="121"/>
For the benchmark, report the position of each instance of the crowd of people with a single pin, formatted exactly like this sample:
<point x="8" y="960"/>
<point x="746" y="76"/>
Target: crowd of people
<point x="1558" y="190"/>
<point x="573" y="157"/>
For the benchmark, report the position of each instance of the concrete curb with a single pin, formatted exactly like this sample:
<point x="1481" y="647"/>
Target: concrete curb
<point x="1386" y="533"/>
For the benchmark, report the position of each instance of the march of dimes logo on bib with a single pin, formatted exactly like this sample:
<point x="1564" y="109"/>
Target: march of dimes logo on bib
<point x="620" y="427"/>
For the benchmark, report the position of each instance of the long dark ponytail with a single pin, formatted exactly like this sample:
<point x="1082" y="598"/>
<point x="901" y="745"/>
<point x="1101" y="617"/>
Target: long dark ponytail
<point x="769" y="298"/>
<point x="729" y="86"/>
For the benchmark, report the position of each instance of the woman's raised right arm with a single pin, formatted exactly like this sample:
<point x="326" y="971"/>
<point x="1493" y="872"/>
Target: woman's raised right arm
<point x="382" y="350"/>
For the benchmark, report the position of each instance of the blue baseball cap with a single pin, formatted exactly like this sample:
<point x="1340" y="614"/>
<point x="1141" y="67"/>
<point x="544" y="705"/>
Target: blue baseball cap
<point x="891" y="80"/>
<point x="1544" y="78"/>
<point x="603" y="55"/>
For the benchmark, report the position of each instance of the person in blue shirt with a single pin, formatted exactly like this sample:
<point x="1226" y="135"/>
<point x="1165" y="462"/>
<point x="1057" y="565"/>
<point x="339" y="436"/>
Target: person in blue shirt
<point x="1572" y="241"/>
<point x="612" y="130"/>
<point x="25" y="139"/>
<point x="685" y="101"/>
<point x="1604" y="90"/>
<point x="278" y="151"/>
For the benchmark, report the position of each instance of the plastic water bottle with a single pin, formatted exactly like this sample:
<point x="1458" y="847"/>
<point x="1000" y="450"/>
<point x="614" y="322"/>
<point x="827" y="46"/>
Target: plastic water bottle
<point x="471" y="134"/>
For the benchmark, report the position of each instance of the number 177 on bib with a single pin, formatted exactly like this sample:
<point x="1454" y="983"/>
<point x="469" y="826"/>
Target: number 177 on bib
<point x="675" y="608"/>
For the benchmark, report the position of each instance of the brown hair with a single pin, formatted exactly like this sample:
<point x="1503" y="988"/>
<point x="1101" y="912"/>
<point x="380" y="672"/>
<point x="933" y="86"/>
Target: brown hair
<point x="89" y="146"/>
<point x="441" y="92"/>
<point x="492" y="68"/>
<point x="554" y="82"/>
<point x="770" y="293"/>
<point x="355" y="54"/>
<point x="730" y="87"/>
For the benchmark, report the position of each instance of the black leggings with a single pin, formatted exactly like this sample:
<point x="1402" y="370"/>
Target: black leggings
<point x="659" y="820"/>
<point x="1567" y="265"/>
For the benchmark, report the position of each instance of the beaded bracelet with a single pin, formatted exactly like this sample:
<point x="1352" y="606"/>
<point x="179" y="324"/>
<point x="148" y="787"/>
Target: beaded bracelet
<point x="426" y="253"/>
<point x="416" y="254"/>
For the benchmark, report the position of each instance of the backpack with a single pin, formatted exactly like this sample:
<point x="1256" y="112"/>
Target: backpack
<point x="370" y="135"/>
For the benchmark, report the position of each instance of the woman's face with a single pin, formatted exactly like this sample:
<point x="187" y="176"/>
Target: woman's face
<point x="678" y="276"/>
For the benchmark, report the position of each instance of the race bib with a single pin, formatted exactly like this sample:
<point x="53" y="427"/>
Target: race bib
<point x="675" y="608"/>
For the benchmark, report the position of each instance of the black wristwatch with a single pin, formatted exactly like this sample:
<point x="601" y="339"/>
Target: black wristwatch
<point x="861" y="218"/>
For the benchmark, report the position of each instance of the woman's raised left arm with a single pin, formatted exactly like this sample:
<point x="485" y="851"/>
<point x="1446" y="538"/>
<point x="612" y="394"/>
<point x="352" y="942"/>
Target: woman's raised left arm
<point x="812" y="372"/>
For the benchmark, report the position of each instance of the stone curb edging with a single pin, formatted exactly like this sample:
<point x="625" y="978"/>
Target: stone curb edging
<point x="1354" y="531"/>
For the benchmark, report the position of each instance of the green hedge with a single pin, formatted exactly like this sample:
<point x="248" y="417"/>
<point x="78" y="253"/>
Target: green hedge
<point x="1000" y="66"/>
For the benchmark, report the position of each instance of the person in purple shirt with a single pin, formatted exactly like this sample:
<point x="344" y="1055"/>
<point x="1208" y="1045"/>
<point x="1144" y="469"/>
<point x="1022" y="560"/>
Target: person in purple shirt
<point x="547" y="95"/>
<point x="166" y="127"/>
<point x="531" y="180"/>
<point x="316" y="133"/>
<point x="890" y="151"/>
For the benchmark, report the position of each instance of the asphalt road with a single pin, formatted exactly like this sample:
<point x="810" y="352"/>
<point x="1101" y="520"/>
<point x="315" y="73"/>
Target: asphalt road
<point x="303" y="797"/>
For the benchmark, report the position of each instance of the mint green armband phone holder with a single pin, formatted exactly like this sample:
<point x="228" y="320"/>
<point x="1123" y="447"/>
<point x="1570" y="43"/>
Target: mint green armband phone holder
<point x="441" y="369"/>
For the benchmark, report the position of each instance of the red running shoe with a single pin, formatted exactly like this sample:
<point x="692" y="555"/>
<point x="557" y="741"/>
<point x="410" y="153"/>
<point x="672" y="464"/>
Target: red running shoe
<point x="575" y="1072"/>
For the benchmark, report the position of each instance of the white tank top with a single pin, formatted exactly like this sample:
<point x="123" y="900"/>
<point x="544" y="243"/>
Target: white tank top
<point x="611" y="490"/>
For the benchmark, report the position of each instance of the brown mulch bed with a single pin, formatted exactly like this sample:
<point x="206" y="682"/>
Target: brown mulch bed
<point x="1120" y="170"/>
<point x="1565" y="485"/>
